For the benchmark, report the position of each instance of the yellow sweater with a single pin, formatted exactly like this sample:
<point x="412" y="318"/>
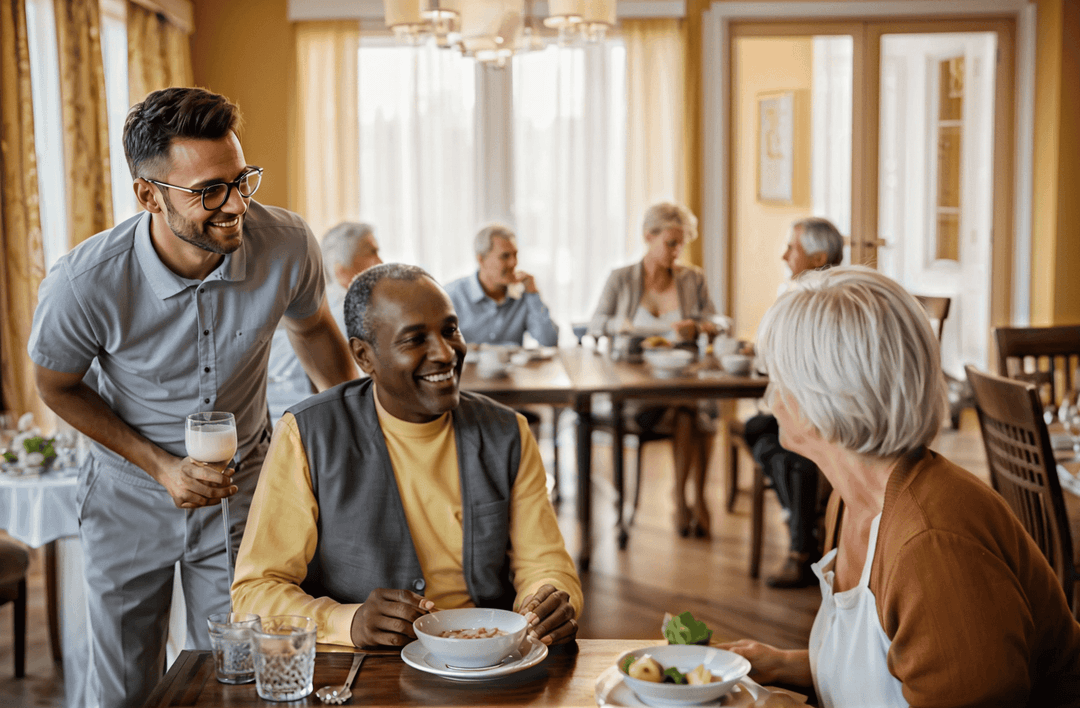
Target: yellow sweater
<point x="424" y="457"/>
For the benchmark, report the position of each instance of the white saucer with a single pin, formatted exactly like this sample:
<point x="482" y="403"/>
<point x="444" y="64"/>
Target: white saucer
<point x="611" y="690"/>
<point x="530" y="653"/>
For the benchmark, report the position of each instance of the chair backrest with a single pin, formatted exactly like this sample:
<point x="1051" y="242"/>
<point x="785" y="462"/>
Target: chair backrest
<point x="1022" y="466"/>
<point x="1045" y="356"/>
<point x="937" y="310"/>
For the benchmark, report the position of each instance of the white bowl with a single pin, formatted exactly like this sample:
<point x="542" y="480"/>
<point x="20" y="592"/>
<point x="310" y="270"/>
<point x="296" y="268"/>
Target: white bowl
<point x="738" y="364"/>
<point x="470" y="653"/>
<point x="729" y="666"/>
<point x="667" y="362"/>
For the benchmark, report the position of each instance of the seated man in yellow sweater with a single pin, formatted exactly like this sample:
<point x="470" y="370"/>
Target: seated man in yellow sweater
<point x="383" y="499"/>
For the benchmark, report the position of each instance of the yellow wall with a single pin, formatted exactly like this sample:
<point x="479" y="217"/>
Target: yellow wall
<point x="760" y="231"/>
<point x="1055" y="291"/>
<point x="244" y="49"/>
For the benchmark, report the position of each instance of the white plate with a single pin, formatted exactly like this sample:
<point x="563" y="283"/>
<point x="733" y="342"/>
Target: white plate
<point x="611" y="690"/>
<point x="530" y="653"/>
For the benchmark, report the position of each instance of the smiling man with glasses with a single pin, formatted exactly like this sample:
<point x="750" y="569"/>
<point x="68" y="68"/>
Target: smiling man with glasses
<point x="174" y="309"/>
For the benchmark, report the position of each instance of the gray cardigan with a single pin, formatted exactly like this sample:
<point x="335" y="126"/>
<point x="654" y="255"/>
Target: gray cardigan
<point x="625" y="286"/>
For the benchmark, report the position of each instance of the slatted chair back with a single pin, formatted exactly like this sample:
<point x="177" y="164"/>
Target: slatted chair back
<point x="1023" y="469"/>
<point x="937" y="310"/>
<point x="1045" y="356"/>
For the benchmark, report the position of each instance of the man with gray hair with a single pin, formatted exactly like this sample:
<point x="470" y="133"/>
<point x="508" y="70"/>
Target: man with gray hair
<point x="348" y="249"/>
<point x="499" y="303"/>
<point x="815" y="244"/>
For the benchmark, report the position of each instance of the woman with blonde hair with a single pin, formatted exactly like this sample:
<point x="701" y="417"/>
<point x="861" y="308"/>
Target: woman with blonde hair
<point x="932" y="592"/>
<point x="659" y="293"/>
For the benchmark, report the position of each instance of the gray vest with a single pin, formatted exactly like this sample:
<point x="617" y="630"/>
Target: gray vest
<point x="364" y="541"/>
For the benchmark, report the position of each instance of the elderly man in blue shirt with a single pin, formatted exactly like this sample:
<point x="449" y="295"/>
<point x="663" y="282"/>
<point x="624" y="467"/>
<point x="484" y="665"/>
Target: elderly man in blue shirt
<point x="499" y="303"/>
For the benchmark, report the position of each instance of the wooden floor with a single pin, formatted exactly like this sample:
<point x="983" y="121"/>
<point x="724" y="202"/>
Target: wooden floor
<point x="626" y="593"/>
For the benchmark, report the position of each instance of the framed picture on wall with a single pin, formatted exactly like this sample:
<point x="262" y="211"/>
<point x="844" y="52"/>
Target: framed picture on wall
<point x="776" y="147"/>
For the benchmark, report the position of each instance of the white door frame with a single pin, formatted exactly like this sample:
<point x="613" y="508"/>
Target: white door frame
<point x="716" y="80"/>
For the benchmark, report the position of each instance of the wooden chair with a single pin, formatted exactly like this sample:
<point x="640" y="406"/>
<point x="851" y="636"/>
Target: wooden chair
<point x="1047" y="357"/>
<point x="1023" y="469"/>
<point x="937" y="310"/>
<point x="14" y="562"/>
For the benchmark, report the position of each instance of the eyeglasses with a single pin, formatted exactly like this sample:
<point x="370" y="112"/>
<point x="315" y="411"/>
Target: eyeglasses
<point x="215" y="195"/>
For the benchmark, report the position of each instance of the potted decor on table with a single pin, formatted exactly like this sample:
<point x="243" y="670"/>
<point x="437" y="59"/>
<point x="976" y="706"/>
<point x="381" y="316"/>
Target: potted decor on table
<point x="30" y="452"/>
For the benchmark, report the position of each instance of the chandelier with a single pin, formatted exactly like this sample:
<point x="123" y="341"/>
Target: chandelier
<point x="494" y="30"/>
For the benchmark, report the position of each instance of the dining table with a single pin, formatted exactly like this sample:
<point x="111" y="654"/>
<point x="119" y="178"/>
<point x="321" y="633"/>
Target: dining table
<point x="39" y="510"/>
<point x="575" y="376"/>
<point x="568" y="677"/>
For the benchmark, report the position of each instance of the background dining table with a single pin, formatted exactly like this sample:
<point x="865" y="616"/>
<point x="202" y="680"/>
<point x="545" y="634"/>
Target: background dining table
<point x="566" y="678"/>
<point x="575" y="376"/>
<point x="39" y="510"/>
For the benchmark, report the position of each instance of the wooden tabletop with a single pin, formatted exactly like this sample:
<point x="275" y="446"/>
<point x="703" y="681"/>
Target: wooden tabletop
<point x="564" y="678"/>
<point x="544" y="381"/>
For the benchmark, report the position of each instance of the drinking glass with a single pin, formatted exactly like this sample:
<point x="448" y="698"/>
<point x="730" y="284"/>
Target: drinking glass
<point x="284" y="657"/>
<point x="210" y="437"/>
<point x="231" y="642"/>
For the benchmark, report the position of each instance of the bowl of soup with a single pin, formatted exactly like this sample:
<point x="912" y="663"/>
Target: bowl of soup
<point x="471" y="638"/>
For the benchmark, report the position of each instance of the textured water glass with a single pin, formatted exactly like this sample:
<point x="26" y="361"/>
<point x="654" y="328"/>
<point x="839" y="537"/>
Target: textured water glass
<point x="231" y="642"/>
<point x="284" y="657"/>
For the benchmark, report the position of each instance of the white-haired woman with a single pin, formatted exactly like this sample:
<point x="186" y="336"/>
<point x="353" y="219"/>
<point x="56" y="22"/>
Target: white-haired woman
<point x="659" y="293"/>
<point x="932" y="592"/>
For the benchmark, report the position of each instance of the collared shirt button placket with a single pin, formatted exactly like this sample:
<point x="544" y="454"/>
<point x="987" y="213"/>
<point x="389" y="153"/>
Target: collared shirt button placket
<point x="207" y="385"/>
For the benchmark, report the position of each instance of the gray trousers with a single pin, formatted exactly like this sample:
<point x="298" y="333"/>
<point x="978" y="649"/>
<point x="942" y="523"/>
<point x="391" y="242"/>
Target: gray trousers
<point x="132" y="536"/>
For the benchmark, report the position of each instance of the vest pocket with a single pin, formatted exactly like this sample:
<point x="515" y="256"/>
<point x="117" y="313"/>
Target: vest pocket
<point x="491" y="526"/>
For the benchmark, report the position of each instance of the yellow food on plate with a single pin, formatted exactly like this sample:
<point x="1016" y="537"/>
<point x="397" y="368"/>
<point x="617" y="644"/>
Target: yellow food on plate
<point x="646" y="669"/>
<point x="656" y="342"/>
<point x="699" y="676"/>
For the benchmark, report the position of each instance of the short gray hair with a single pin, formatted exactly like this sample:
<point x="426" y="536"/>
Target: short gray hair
<point x="340" y="244"/>
<point x="482" y="243"/>
<point x="358" y="322"/>
<point x="821" y="236"/>
<point x="859" y="358"/>
<point x="667" y="215"/>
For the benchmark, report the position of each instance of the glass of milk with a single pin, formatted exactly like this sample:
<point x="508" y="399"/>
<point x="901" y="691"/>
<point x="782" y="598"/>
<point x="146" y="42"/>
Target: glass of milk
<point x="210" y="437"/>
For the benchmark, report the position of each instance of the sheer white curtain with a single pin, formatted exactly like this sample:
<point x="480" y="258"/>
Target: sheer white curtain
<point x="569" y="126"/>
<point x="417" y="154"/>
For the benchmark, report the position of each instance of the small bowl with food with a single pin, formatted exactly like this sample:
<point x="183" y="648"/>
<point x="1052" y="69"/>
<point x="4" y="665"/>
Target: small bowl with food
<point x="682" y="674"/>
<point x="471" y="638"/>
<point x="668" y="362"/>
<point x="738" y="364"/>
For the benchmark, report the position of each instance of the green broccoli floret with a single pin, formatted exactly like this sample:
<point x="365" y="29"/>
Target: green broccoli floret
<point x="673" y="675"/>
<point x="684" y="629"/>
<point x="11" y="457"/>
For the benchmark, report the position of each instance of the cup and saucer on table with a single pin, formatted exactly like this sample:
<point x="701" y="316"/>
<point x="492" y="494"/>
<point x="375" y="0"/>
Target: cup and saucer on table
<point x="473" y="644"/>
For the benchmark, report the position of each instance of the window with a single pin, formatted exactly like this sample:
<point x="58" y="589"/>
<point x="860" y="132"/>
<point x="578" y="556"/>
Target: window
<point x="447" y="145"/>
<point x="48" y="122"/>
<point x="48" y="128"/>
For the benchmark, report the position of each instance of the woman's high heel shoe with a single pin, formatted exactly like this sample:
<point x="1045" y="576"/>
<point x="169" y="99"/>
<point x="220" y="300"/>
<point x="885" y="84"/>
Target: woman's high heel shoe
<point x="682" y="521"/>
<point x="700" y="522"/>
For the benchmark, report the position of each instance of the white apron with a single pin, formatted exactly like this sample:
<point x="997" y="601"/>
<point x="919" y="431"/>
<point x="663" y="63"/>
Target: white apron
<point x="848" y="647"/>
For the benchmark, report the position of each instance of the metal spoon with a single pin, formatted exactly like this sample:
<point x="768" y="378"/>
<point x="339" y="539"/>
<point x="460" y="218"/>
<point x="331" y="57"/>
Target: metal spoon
<point x="329" y="694"/>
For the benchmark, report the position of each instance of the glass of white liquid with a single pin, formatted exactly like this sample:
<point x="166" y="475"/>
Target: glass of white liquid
<point x="210" y="437"/>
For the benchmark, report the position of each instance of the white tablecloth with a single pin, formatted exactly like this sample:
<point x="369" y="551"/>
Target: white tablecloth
<point x="39" y="509"/>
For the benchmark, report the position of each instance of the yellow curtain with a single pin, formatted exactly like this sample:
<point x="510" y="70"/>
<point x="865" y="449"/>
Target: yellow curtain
<point x="159" y="53"/>
<point x="657" y="119"/>
<point x="23" y="263"/>
<point x="85" y="118"/>
<point x="327" y="159"/>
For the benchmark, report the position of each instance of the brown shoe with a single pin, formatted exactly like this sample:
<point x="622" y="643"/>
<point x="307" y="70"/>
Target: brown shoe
<point x="795" y="573"/>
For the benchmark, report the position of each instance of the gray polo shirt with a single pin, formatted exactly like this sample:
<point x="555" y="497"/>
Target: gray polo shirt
<point x="168" y="346"/>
